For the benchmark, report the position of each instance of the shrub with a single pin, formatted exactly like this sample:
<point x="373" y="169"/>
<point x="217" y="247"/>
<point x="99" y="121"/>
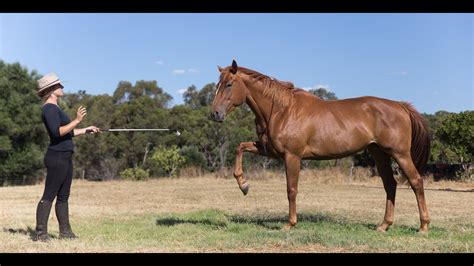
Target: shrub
<point x="135" y="174"/>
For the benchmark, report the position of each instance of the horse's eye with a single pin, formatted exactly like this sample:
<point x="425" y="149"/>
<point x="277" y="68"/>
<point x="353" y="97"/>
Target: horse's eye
<point x="228" y="85"/>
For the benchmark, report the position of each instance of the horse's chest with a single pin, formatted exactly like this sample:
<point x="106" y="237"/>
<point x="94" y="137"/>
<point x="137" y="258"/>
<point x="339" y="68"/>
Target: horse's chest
<point x="262" y="134"/>
<point x="267" y="141"/>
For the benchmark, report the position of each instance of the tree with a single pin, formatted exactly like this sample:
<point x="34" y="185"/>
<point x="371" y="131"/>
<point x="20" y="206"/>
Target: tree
<point x="169" y="159"/>
<point x="206" y="94"/>
<point x="23" y="138"/>
<point x="324" y="94"/>
<point x="138" y="113"/>
<point x="457" y="133"/>
<point x="191" y="97"/>
<point x="195" y="99"/>
<point x="125" y="92"/>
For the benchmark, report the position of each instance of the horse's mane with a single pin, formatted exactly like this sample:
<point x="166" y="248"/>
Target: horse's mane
<point x="279" y="91"/>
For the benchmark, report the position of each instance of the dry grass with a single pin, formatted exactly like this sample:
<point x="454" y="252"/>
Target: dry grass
<point x="330" y="193"/>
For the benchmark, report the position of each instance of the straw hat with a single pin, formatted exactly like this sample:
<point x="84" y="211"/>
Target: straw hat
<point x="45" y="83"/>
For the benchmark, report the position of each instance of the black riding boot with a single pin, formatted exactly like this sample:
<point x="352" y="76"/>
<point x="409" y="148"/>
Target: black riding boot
<point x="42" y="216"/>
<point x="62" y="213"/>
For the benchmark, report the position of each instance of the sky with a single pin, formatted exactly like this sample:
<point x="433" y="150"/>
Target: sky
<point x="424" y="59"/>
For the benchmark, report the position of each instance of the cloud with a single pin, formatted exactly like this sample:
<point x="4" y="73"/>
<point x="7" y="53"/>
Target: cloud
<point x="178" y="71"/>
<point x="160" y="62"/>
<point x="181" y="91"/>
<point x="185" y="71"/>
<point x="399" y="73"/>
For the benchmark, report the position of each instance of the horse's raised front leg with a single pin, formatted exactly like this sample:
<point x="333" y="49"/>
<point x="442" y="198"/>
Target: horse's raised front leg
<point x="292" y="164"/>
<point x="250" y="146"/>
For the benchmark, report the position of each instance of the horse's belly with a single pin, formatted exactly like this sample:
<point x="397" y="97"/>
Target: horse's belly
<point x="334" y="148"/>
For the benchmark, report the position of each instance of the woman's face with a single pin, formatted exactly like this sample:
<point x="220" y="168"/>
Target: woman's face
<point x="58" y="92"/>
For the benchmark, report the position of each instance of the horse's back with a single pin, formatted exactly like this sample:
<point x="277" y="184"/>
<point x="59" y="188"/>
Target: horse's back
<point x="364" y="104"/>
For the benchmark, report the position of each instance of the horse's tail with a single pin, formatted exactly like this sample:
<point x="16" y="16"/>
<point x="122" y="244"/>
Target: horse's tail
<point x="420" y="138"/>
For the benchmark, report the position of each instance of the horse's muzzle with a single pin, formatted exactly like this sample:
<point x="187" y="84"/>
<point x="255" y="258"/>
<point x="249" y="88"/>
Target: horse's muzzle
<point x="217" y="116"/>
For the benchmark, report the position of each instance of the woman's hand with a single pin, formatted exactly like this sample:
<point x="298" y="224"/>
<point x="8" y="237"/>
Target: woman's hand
<point x="92" y="130"/>
<point x="81" y="113"/>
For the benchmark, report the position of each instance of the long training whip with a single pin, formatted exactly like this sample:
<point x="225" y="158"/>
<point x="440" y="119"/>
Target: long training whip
<point x="133" y="130"/>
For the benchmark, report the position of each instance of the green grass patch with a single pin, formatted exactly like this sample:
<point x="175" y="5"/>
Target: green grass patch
<point x="213" y="230"/>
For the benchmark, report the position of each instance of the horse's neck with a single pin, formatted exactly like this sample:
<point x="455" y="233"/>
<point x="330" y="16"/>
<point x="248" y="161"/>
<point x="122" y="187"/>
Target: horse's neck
<point x="260" y="120"/>
<point x="262" y="106"/>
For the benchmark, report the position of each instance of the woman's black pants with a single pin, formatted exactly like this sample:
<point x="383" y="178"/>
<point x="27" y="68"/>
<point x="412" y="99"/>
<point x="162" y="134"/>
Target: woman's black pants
<point x="59" y="176"/>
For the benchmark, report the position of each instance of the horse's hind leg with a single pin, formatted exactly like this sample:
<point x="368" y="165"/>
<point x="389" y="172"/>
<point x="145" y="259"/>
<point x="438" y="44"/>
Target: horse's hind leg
<point x="250" y="146"/>
<point x="382" y="160"/>
<point x="416" y="183"/>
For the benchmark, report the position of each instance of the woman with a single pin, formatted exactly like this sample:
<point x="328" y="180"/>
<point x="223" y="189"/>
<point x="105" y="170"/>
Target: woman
<point x="58" y="158"/>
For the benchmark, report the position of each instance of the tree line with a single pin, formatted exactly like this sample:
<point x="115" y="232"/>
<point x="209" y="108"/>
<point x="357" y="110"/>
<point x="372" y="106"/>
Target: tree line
<point x="203" y="144"/>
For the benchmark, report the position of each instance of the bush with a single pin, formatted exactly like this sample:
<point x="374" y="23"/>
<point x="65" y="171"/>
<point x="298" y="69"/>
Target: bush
<point x="169" y="159"/>
<point x="194" y="158"/>
<point x="135" y="174"/>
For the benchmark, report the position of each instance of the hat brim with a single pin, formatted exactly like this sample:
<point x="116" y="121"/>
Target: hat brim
<point x="49" y="86"/>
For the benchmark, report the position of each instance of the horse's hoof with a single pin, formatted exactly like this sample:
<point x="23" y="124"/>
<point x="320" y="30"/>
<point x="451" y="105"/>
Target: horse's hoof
<point x="245" y="188"/>
<point x="287" y="227"/>
<point x="381" y="229"/>
<point x="423" y="231"/>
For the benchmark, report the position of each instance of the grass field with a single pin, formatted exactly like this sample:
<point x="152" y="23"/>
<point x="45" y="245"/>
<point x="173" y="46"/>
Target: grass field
<point x="209" y="214"/>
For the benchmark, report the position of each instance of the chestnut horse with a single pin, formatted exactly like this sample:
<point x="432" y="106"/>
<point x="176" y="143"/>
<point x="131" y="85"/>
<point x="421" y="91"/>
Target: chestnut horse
<point x="293" y="124"/>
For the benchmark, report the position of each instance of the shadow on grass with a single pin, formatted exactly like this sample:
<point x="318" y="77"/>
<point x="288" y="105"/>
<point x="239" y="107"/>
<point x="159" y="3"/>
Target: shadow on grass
<point x="272" y="222"/>
<point x="172" y="221"/>
<point x="275" y="222"/>
<point x="28" y="231"/>
<point x="306" y="221"/>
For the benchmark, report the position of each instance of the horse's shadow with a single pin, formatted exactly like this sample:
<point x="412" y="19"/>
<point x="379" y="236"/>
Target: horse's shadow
<point x="276" y="222"/>
<point x="29" y="231"/>
<point x="272" y="222"/>
<point x="175" y="221"/>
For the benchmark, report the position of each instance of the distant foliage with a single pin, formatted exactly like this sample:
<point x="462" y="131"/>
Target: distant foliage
<point x="23" y="138"/>
<point x="457" y="133"/>
<point x="169" y="159"/>
<point x="324" y="94"/>
<point x="452" y="136"/>
<point x="135" y="174"/>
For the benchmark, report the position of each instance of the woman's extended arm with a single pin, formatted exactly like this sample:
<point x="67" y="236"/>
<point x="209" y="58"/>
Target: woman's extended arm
<point x="80" y="131"/>
<point x="81" y="113"/>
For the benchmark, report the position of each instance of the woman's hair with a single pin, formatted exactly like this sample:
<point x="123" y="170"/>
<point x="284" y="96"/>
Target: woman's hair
<point x="44" y="95"/>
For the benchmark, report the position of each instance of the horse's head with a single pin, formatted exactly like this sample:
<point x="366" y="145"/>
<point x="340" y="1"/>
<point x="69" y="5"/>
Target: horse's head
<point x="230" y="93"/>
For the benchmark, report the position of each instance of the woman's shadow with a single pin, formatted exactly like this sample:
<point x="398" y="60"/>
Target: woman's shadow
<point x="31" y="232"/>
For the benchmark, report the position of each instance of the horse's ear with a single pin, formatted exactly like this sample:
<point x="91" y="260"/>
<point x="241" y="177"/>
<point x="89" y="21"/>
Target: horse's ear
<point x="234" y="67"/>
<point x="220" y="68"/>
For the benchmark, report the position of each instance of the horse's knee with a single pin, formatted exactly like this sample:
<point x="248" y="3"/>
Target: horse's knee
<point x="292" y="193"/>
<point x="417" y="184"/>
<point x="240" y="148"/>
